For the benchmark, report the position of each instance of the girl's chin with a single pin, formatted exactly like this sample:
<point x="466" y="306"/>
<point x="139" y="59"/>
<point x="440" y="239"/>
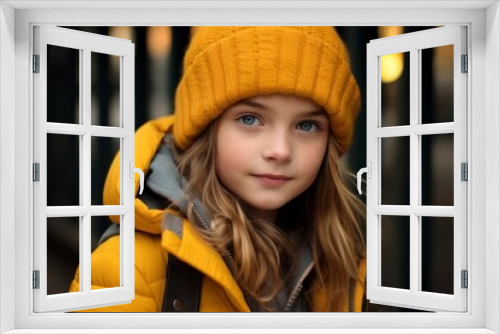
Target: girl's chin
<point x="259" y="206"/>
<point x="262" y="208"/>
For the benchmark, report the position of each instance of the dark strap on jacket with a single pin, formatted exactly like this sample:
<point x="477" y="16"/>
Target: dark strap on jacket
<point x="182" y="293"/>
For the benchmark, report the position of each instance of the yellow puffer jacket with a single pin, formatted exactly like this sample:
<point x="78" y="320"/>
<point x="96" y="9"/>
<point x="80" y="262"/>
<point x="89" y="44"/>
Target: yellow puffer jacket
<point x="155" y="239"/>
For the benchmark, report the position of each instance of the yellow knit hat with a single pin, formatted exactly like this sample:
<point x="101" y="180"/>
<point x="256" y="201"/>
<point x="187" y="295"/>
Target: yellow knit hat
<point x="223" y="65"/>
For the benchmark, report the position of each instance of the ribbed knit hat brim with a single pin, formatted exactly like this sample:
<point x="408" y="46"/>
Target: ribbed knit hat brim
<point x="226" y="64"/>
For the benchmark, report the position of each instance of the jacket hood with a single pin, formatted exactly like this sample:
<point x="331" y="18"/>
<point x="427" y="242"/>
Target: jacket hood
<point x="163" y="184"/>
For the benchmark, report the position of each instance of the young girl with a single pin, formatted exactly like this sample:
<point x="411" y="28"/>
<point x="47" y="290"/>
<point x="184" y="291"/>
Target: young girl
<point x="245" y="182"/>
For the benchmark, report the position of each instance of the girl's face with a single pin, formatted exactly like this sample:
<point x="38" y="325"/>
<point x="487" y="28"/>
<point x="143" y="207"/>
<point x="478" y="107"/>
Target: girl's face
<point x="270" y="147"/>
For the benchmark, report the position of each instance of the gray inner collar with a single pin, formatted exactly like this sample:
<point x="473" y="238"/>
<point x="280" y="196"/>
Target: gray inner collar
<point x="164" y="180"/>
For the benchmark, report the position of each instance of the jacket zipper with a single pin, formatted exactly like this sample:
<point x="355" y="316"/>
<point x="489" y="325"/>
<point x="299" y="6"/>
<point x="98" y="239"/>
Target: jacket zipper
<point x="249" y="302"/>
<point x="298" y="287"/>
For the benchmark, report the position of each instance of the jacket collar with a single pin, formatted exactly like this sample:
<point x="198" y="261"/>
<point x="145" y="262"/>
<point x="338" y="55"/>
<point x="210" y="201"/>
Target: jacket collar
<point x="180" y="240"/>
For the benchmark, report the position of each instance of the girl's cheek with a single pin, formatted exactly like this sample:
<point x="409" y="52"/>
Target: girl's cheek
<point x="315" y="157"/>
<point x="231" y="146"/>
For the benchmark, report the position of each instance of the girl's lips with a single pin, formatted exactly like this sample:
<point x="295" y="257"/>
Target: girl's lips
<point x="274" y="177"/>
<point x="272" y="180"/>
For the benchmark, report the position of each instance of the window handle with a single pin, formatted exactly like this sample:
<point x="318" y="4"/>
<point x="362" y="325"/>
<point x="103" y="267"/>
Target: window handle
<point x="368" y="171"/>
<point x="141" y="175"/>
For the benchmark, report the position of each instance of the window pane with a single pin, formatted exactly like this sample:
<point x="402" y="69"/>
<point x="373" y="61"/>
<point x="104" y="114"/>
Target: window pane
<point x="396" y="251"/>
<point x="396" y="171"/>
<point x="395" y="99"/>
<point x="437" y="84"/>
<point x="105" y="89"/>
<point x="63" y="170"/>
<point x="437" y="254"/>
<point x="437" y="170"/>
<point x="104" y="150"/>
<point x="63" y="249"/>
<point x="103" y="228"/>
<point x="63" y="85"/>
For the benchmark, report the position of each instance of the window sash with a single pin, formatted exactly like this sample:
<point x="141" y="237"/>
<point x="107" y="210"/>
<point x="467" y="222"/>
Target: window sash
<point x="414" y="297"/>
<point x="85" y="43"/>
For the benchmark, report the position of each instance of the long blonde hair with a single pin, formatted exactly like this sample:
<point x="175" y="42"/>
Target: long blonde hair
<point x="327" y="215"/>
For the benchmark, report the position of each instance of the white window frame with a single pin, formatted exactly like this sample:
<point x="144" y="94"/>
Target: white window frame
<point x="483" y="21"/>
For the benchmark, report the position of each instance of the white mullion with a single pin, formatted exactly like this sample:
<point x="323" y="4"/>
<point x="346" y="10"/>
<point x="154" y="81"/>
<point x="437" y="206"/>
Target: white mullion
<point x="414" y="170"/>
<point x="67" y="129"/>
<point x="377" y="175"/>
<point x="108" y="210"/>
<point x="392" y="131"/>
<point x="110" y="132"/>
<point x="123" y="235"/>
<point x="419" y="210"/>
<point x="125" y="181"/>
<point x="86" y="250"/>
<point x="434" y="129"/>
<point x="379" y="249"/>
<point x="419" y="129"/>
<point x="434" y="211"/>
<point x="378" y="141"/>
<point x="80" y="170"/>
<point x="122" y="141"/>
<point x="418" y="287"/>
<point x="80" y="211"/>
<point x="122" y="250"/>
<point x="392" y="210"/>
<point x="81" y="130"/>
<point x="85" y="165"/>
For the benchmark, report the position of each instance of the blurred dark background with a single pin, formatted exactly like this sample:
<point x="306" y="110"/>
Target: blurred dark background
<point x="159" y="52"/>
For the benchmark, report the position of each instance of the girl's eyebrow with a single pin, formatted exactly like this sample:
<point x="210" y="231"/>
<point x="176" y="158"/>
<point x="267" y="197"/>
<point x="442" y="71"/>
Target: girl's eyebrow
<point x="315" y="113"/>
<point x="261" y="106"/>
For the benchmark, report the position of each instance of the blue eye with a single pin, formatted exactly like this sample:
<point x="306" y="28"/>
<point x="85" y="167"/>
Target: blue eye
<point x="248" y="120"/>
<point x="307" y="126"/>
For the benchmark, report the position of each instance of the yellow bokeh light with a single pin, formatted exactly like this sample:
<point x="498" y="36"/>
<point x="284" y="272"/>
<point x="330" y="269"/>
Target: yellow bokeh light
<point x="159" y="41"/>
<point x="391" y="67"/>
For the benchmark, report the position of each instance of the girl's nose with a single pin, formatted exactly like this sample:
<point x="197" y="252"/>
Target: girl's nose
<point x="278" y="148"/>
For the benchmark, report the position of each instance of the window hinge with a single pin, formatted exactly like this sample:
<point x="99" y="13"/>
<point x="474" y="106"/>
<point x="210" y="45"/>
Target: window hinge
<point x="465" y="64"/>
<point x="36" y="63"/>
<point x="465" y="279"/>
<point x="36" y="279"/>
<point x="464" y="171"/>
<point x="36" y="172"/>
